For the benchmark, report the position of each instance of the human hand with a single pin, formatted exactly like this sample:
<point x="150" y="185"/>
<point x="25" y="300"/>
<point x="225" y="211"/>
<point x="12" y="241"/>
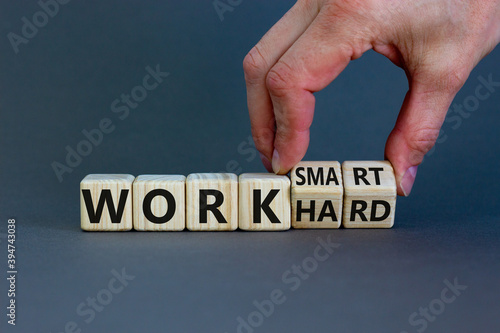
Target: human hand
<point x="436" y="42"/>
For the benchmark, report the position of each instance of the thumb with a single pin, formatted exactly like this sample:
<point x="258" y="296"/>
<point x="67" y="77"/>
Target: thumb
<point x="417" y="127"/>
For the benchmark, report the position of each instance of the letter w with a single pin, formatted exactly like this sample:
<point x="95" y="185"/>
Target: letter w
<point x="105" y="198"/>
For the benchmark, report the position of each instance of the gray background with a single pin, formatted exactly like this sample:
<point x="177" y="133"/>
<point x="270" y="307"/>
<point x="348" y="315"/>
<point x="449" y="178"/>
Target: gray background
<point x="64" y="80"/>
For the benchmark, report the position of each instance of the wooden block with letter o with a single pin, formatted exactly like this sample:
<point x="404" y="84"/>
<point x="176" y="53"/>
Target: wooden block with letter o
<point x="264" y="202"/>
<point x="106" y="202"/>
<point x="369" y="194"/>
<point x="212" y="201"/>
<point x="159" y="202"/>
<point x="317" y="195"/>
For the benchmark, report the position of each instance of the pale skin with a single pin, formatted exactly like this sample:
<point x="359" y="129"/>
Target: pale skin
<point x="436" y="42"/>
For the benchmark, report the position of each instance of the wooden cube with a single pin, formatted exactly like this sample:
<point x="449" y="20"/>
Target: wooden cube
<point x="106" y="202"/>
<point x="317" y="195"/>
<point x="369" y="194"/>
<point x="264" y="202"/>
<point x="159" y="202"/>
<point x="212" y="201"/>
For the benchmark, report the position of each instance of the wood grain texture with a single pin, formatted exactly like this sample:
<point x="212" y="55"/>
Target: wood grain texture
<point x="115" y="183"/>
<point x="318" y="185"/>
<point x="224" y="183"/>
<point x="369" y="194"/>
<point x="280" y="204"/>
<point x="159" y="205"/>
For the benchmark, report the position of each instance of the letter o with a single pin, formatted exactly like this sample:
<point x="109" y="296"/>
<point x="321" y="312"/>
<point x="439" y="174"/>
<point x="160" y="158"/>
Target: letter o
<point x="146" y="206"/>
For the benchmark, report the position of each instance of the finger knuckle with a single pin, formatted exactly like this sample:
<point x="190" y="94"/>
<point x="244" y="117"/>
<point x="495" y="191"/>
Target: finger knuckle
<point x="254" y="65"/>
<point x="446" y="78"/>
<point x="279" y="79"/>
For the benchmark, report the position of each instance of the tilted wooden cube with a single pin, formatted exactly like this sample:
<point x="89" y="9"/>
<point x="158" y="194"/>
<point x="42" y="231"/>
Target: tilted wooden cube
<point x="159" y="202"/>
<point x="369" y="194"/>
<point x="264" y="202"/>
<point x="212" y="201"/>
<point x="317" y="195"/>
<point x="106" y="202"/>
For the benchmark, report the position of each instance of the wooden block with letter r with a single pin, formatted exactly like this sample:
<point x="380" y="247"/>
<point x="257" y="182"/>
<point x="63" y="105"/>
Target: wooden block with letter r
<point x="369" y="194"/>
<point x="159" y="202"/>
<point x="212" y="201"/>
<point x="106" y="202"/>
<point x="264" y="202"/>
<point x="317" y="194"/>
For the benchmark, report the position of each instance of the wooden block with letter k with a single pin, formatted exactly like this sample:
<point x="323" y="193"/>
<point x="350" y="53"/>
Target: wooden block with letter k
<point x="369" y="194"/>
<point x="264" y="201"/>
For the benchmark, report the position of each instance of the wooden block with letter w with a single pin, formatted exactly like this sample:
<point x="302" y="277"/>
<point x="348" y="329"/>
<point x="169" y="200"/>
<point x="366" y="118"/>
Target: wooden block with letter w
<point x="106" y="202"/>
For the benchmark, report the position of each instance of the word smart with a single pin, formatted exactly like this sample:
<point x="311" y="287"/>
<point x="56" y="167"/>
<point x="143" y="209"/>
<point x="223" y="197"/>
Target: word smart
<point x="356" y="194"/>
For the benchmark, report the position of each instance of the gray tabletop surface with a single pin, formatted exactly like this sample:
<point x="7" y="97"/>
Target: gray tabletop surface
<point x="437" y="270"/>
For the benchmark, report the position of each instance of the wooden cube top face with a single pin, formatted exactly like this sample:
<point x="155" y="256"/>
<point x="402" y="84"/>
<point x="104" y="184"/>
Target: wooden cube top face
<point x="161" y="179"/>
<point x="115" y="183"/>
<point x="368" y="178"/>
<point x="316" y="179"/>
<point x="105" y="178"/>
<point x="318" y="183"/>
<point x="211" y="178"/>
<point x="264" y="177"/>
<point x="280" y="205"/>
<point x="145" y="184"/>
<point x="227" y="183"/>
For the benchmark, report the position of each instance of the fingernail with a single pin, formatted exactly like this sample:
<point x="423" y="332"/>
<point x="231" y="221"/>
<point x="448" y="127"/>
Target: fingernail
<point x="408" y="180"/>
<point x="276" y="162"/>
<point x="266" y="162"/>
